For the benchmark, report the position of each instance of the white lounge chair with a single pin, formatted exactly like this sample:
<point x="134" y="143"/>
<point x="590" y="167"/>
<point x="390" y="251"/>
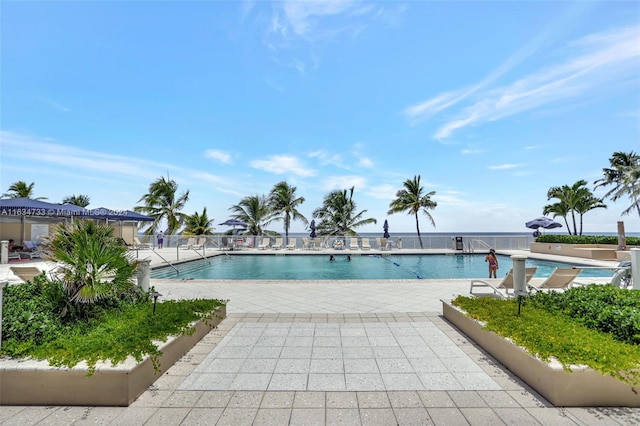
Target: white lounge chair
<point x="190" y="243"/>
<point x="506" y="284"/>
<point x="25" y="273"/>
<point x="292" y="243"/>
<point x="199" y="243"/>
<point x="266" y="242"/>
<point x="365" y="244"/>
<point x="354" y="244"/>
<point x="140" y="245"/>
<point x="278" y="244"/>
<point x="560" y="279"/>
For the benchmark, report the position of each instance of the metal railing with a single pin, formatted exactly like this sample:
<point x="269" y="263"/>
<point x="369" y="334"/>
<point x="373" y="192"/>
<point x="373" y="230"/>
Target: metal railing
<point x="471" y="243"/>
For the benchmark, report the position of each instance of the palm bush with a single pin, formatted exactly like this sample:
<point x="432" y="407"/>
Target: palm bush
<point x="93" y="263"/>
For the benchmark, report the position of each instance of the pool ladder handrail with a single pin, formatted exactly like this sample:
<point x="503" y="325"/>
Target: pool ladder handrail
<point x="165" y="260"/>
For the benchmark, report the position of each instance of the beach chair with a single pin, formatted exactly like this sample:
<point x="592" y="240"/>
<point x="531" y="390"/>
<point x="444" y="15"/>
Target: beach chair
<point x="190" y="243"/>
<point x="224" y="243"/>
<point x="382" y="243"/>
<point x="278" y="244"/>
<point x="266" y="242"/>
<point x="292" y="244"/>
<point x="354" y="244"/>
<point x="140" y="245"/>
<point x="365" y="244"/>
<point x="506" y="284"/>
<point x="25" y="273"/>
<point x="200" y="242"/>
<point x="560" y="279"/>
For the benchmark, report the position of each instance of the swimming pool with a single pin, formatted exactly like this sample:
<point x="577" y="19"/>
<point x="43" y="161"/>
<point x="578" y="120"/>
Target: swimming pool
<point x="319" y="267"/>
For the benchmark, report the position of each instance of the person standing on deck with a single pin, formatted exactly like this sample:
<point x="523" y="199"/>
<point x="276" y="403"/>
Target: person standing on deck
<point x="493" y="263"/>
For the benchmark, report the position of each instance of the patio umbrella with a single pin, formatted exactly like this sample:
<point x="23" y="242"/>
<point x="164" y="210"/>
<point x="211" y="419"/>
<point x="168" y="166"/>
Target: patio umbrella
<point x="543" y="222"/>
<point x="234" y="223"/>
<point x="312" y="226"/>
<point x="386" y="229"/>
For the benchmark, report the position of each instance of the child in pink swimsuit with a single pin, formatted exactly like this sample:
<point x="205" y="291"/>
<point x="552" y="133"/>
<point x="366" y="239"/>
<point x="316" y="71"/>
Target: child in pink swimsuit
<point x="493" y="263"/>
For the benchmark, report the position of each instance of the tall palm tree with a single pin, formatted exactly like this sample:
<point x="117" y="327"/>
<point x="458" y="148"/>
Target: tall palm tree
<point x="284" y="203"/>
<point x="77" y="200"/>
<point x="573" y="199"/>
<point x="412" y="200"/>
<point x="256" y="212"/>
<point x="587" y="203"/>
<point x="558" y="209"/>
<point x="198" y="224"/>
<point x="338" y="214"/>
<point x="162" y="203"/>
<point x="624" y="176"/>
<point x="20" y="189"/>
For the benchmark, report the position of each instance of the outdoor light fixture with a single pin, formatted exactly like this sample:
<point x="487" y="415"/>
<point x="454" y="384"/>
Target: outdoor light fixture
<point x="155" y="295"/>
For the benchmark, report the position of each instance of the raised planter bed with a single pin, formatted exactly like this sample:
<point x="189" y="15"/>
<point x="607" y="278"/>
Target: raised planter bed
<point x="27" y="382"/>
<point x="587" y="251"/>
<point x="581" y="387"/>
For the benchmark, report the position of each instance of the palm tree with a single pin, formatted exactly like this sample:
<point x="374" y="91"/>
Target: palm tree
<point x="412" y="200"/>
<point x="77" y="200"/>
<point x="92" y="262"/>
<point x="573" y="199"/>
<point x="587" y="203"/>
<point x="198" y="224"/>
<point x="255" y="211"/>
<point x="161" y="203"/>
<point x="624" y="175"/>
<point x="20" y="189"/>
<point x="338" y="214"/>
<point x="284" y="202"/>
<point x="558" y="209"/>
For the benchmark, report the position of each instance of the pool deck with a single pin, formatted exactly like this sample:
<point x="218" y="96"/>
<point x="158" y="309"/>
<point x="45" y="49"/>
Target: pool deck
<point x="325" y="353"/>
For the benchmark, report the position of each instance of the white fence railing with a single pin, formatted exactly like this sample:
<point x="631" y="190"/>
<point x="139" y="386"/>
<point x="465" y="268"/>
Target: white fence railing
<point x="469" y="243"/>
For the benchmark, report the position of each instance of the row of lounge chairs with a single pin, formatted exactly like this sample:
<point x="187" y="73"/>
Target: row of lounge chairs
<point x="560" y="279"/>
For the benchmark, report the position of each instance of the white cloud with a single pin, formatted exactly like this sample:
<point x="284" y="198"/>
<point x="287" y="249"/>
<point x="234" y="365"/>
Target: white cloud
<point x="282" y="164"/>
<point x="503" y="166"/>
<point x="365" y="162"/>
<point x="344" y="182"/>
<point x="382" y="192"/>
<point x="327" y="159"/>
<point x="220" y="156"/>
<point x="468" y="151"/>
<point x="595" y="64"/>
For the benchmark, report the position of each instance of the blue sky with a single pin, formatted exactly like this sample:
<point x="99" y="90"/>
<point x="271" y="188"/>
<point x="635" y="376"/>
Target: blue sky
<point x="492" y="103"/>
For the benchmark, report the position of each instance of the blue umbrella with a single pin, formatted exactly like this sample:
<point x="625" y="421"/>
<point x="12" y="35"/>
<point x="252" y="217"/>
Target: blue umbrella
<point x="386" y="229"/>
<point x="312" y="226"/>
<point x="543" y="222"/>
<point x="234" y="223"/>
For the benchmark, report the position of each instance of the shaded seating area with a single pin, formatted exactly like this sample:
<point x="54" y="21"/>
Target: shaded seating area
<point x="560" y="279"/>
<point x="500" y="289"/>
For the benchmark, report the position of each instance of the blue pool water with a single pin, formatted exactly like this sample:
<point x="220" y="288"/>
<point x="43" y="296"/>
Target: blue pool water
<point x="318" y="267"/>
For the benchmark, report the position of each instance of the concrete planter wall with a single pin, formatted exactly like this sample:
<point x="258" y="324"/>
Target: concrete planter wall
<point x="26" y="382"/>
<point x="587" y="251"/>
<point x="582" y="387"/>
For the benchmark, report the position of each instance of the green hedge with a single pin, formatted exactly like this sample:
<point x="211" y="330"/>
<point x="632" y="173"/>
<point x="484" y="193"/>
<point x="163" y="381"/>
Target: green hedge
<point x="586" y="239"/>
<point x="550" y="333"/>
<point x="604" y="308"/>
<point x="32" y="326"/>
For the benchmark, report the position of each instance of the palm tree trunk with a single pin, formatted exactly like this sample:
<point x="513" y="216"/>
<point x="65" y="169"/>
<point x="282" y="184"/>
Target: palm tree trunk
<point x="418" y="229"/>
<point x="566" y="223"/>
<point x="575" y="227"/>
